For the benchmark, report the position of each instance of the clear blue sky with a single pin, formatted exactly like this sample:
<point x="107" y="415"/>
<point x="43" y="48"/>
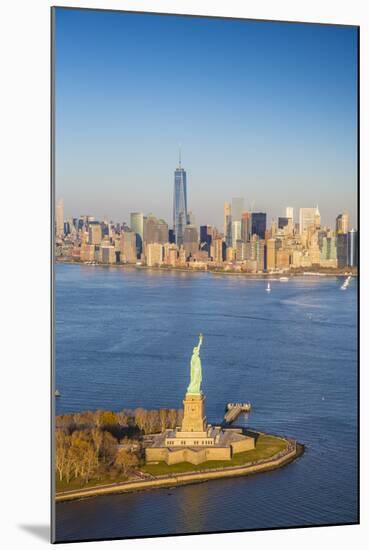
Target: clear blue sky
<point x="262" y="110"/>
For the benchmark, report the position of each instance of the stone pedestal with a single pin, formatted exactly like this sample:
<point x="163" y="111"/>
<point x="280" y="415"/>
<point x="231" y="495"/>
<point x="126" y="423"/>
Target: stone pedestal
<point x="194" y="419"/>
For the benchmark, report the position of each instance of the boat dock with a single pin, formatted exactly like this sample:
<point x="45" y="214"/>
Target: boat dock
<point x="233" y="410"/>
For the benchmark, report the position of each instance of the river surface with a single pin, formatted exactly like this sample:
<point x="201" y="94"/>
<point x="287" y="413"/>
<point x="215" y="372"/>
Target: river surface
<point x="124" y="339"/>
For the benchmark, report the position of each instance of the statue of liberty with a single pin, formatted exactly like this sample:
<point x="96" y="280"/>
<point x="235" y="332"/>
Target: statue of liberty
<point x="196" y="375"/>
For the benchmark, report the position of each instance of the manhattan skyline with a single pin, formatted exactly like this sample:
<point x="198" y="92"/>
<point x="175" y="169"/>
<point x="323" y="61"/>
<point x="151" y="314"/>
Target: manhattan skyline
<point x="263" y="110"/>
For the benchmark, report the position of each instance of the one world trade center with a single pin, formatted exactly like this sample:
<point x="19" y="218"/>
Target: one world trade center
<point x="179" y="203"/>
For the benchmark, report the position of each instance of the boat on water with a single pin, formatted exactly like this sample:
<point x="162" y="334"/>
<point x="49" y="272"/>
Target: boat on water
<point x="283" y="279"/>
<point x="57" y="393"/>
<point x="268" y="288"/>
<point x="346" y="283"/>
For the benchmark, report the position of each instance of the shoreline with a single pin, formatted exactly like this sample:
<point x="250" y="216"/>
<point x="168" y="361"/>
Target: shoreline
<point x="263" y="275"/>
<point x="175" y="480"/>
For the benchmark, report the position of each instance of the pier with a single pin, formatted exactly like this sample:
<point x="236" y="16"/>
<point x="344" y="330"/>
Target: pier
<point x="233" y="410"/>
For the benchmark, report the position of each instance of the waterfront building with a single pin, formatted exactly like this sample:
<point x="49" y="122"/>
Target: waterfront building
<point x="305" y="259"/>
<point x="179" y="203"/>
<point x="328" y="249"/>
<point x="296" y="259"/>
<point x="87" y="253"/>
<point x="154" y="230"/>
<point x="107" y="254"/>
<point x="282" y="259"/>
<point x="237" y="208"/>
<point x="116" y="242"/>
<point x="182" y="256"/>
<point x="307" y="219"/>
<point x="59" y="218"/>
<point x="154" y="254"/>
<point x="128" y="250"/>
<point x="352" y="248"/>
<point x="94" y="233"/>
<point x="150" y="229"/>
<point x="163" y="232"/>
<point x="342" y="223"/>
<point x="83" y="236"/>
<point x="251" y="266"/>
<point x="313" y="249"/>
<point x="201" y="256"/>
<point x="76" y="254"/>
<point x="230" y="254"/>
<point x="170" y="254"/>
<point x="190" y="240"/>
<point x="271" y="254"/>
<point x="239" y="250"/>
<point x="342" y="250"/>
<point x="219" y="249"/>
<point x="258" y="224"/>
<point x="245" y="226"/>
<point x="255" y="250"/>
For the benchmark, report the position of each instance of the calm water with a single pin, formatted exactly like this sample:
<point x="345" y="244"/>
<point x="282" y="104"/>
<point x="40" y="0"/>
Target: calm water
<point x="124" y="339"/>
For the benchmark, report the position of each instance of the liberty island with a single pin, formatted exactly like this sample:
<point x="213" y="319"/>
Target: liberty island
<point x="197" y="451"/>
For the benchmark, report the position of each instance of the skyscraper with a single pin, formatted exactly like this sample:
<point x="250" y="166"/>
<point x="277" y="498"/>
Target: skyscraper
<point x="342" y="223"/>
<point x="289" y="212"/>
<point x="94" y="233"/>
<point x="219" y="248"/>
<point x="179" y="203"/>
<point x="206" y="235"/>
<point x="128" y="249"/>
<point x="245" y="226"/>
<point x="59" y="218"/>
<point x="227" y="224"/>
<point x="258" y="224"/>
<point x="271" y="253"/>
<point x="190" y="240"/>
<point x="282" y="222"/>
<point x="342" y="250"/>
<point x="137" y="223"/>
<point x="227" y="214"/>
<point x="236" y="232"/>
<point x="307" y="218"/>
<point x="352" y="248"/>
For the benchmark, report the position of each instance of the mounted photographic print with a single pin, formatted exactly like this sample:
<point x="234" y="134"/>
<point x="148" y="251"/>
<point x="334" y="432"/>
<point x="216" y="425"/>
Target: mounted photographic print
<point x="205" y="274"/>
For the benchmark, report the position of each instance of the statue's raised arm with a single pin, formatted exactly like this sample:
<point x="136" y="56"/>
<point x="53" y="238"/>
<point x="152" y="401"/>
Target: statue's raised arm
<point x="200" y="340"/>
<point x="196" y="374"/>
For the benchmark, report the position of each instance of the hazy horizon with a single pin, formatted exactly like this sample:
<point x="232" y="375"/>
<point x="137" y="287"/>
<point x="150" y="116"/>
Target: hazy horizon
<point x="266" y="111"/>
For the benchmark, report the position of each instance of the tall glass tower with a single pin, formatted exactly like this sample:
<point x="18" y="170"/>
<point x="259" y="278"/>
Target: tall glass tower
<point x="179" y="203"/>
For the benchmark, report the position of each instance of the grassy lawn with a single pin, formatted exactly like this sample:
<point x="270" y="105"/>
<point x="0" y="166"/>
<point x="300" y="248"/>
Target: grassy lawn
<point x="79" y="484"/>
<point x="266" y="447"/>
